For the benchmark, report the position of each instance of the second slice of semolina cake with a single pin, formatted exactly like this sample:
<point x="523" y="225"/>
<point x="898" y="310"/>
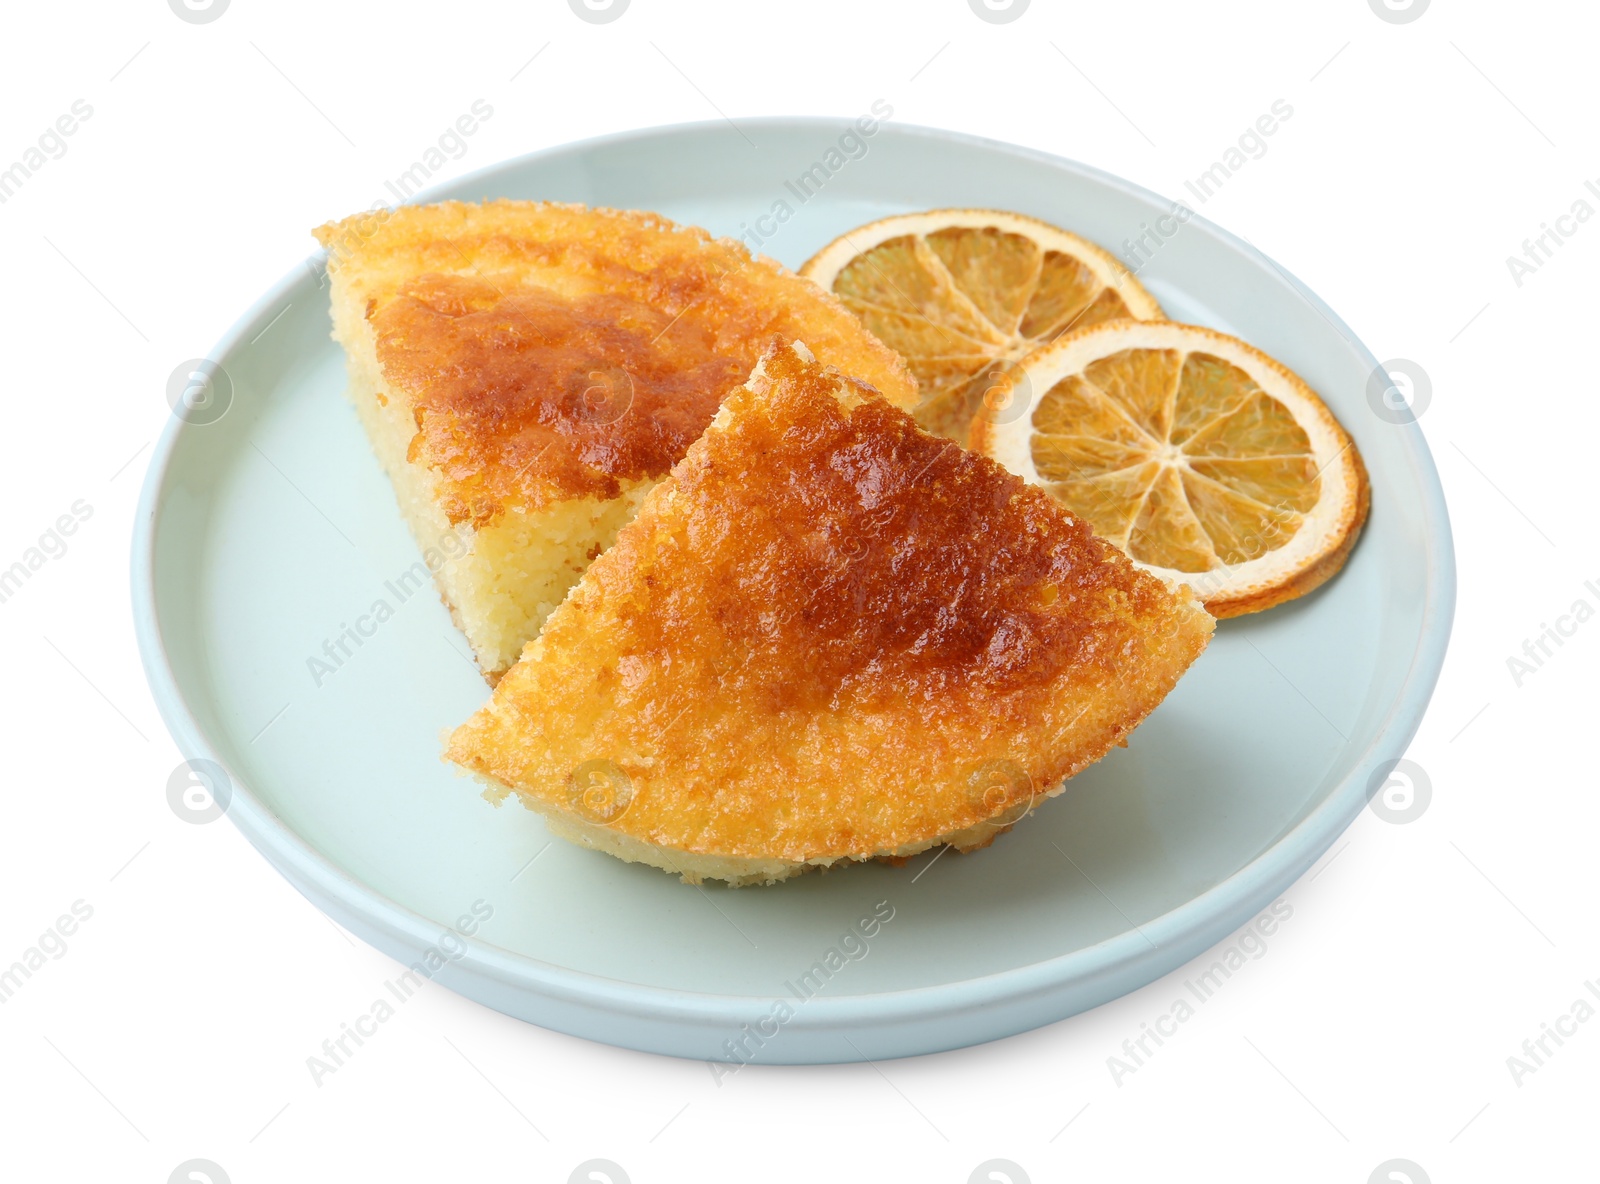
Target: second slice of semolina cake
<point x="827" y="636"/>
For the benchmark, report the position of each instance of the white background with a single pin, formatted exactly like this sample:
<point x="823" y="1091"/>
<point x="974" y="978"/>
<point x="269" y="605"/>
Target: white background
<point x="1419" y="957"/>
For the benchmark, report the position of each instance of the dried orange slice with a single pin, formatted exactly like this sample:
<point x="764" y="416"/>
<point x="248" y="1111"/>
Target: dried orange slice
<point x="1209" y="463"/>
<point x="962" y="295"/>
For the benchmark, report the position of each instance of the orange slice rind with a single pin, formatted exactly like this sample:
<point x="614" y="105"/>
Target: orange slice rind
<point x="1204" y="459"/>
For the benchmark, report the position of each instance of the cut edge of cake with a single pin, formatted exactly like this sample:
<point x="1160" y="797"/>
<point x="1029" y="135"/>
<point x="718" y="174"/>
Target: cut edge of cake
<point x="498" y="615"/>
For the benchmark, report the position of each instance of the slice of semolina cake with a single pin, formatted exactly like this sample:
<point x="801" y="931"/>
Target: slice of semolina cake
<point x="827" y="636"/>
<point x="526" y="372"/>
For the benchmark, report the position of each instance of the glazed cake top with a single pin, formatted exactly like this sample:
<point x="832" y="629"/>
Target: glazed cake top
<point x="554" y="351"/>
<point x="830" y="633"/>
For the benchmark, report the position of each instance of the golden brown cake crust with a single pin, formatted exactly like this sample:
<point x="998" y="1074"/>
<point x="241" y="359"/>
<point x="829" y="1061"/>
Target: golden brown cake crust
<point x="830" y="634"/>
<point x="553" y="351"/>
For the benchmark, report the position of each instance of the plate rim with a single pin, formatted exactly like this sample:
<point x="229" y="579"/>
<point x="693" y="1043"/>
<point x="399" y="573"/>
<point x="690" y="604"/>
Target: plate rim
<point x="1128" y="954"/>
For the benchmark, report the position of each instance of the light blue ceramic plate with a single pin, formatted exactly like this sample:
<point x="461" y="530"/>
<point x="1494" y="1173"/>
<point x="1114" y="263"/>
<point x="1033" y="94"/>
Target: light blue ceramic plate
<point x="265" y="533"/>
